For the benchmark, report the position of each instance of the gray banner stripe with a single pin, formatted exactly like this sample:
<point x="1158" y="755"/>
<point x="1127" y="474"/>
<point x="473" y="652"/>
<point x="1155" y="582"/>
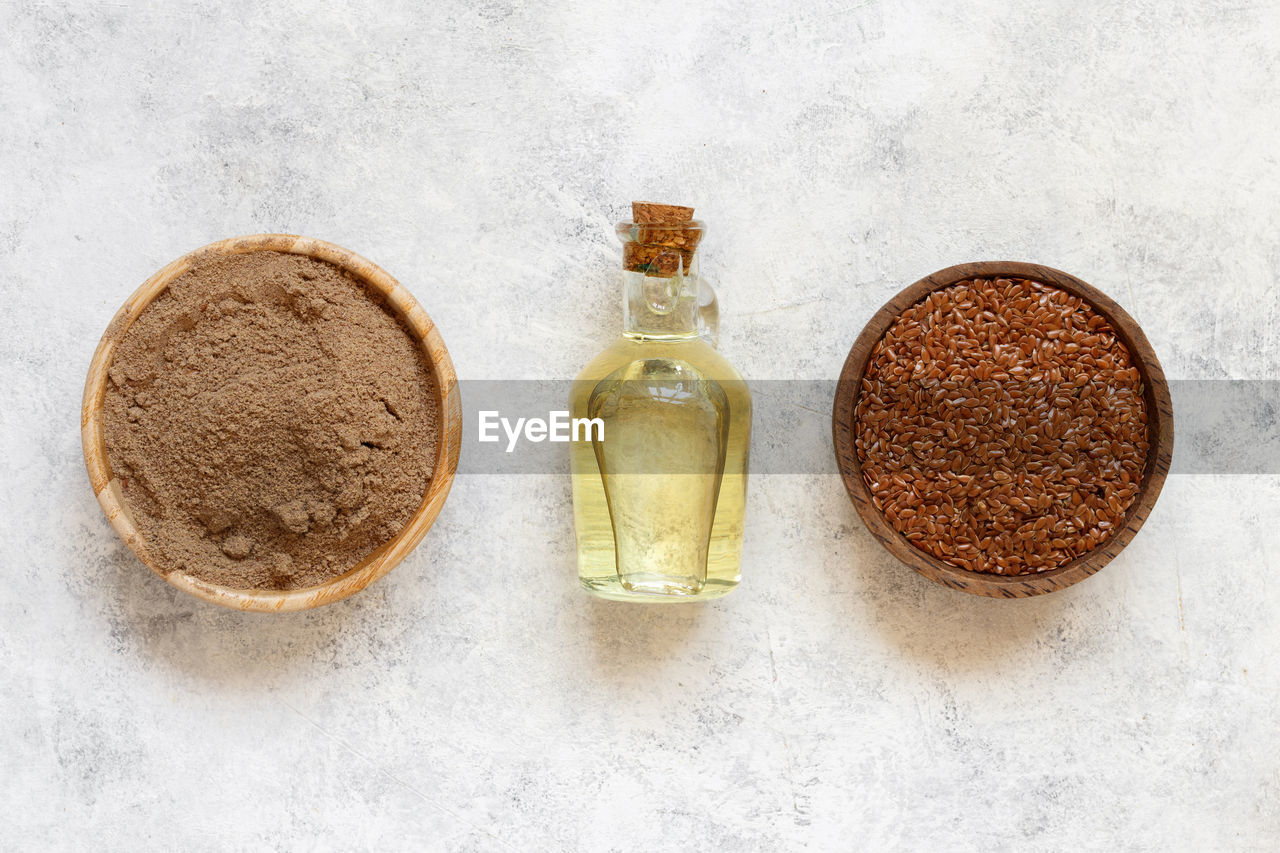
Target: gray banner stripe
<point x="1221" y="426"/>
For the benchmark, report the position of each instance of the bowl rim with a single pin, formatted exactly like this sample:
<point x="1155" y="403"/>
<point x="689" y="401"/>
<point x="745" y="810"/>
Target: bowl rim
<point x="378" y="563"/>
<point x="1160" y="431"/>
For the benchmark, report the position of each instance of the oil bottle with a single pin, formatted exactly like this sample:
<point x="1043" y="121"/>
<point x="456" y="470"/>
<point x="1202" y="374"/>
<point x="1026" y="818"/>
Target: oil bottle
<point x="659" y="493"/>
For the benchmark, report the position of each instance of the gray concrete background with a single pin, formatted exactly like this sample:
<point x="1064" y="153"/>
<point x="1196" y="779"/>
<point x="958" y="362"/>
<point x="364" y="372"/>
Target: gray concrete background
<point x="475" y="699"/>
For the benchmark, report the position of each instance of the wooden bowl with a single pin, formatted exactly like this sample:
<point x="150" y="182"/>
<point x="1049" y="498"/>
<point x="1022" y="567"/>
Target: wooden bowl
<point x="374" y="566"/>
<point x="1159" y="454"/>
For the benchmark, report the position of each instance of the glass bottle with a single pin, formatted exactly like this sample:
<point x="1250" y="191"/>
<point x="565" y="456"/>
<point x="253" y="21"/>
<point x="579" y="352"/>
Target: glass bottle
<point x="659" y="493"/>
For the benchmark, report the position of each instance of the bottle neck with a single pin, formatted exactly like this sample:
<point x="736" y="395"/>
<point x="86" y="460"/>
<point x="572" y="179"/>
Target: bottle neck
<point x="658" y="306"/>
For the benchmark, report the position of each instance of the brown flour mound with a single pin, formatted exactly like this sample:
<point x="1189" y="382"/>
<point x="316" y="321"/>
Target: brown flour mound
<point x="271" y="423"/>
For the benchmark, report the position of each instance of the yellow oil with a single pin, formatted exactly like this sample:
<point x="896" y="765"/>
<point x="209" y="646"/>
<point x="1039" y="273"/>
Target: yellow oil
<point x="659" y="498"/>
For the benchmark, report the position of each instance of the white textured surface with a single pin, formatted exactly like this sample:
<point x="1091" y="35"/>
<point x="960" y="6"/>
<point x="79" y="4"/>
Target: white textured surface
<point x="480" y="152"/>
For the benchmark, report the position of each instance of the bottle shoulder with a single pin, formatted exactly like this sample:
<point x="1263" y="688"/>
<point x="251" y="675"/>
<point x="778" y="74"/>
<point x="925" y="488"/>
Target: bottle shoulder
<point x="695" y="352"/>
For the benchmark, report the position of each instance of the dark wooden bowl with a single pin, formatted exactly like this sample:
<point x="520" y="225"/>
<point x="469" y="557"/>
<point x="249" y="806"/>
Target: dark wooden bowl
<point x="1159" y="421"/>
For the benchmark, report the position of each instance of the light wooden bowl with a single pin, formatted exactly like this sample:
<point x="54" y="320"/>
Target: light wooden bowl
<point x="381" y="561"/>
<point x="1159" y="424"/>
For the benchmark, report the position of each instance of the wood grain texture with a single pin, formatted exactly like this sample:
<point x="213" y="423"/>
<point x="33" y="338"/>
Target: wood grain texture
<point x="1159" y="424"/>
<point x="107" y="487"/>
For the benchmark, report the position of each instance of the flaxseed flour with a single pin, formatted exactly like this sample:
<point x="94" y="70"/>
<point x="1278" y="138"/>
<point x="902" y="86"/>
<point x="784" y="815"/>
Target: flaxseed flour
<point x="270" y="421"/>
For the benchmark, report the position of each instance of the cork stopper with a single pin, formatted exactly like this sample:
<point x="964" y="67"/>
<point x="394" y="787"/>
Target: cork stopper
<point x="666" y="247"/>
<point x="649" y="213"/>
